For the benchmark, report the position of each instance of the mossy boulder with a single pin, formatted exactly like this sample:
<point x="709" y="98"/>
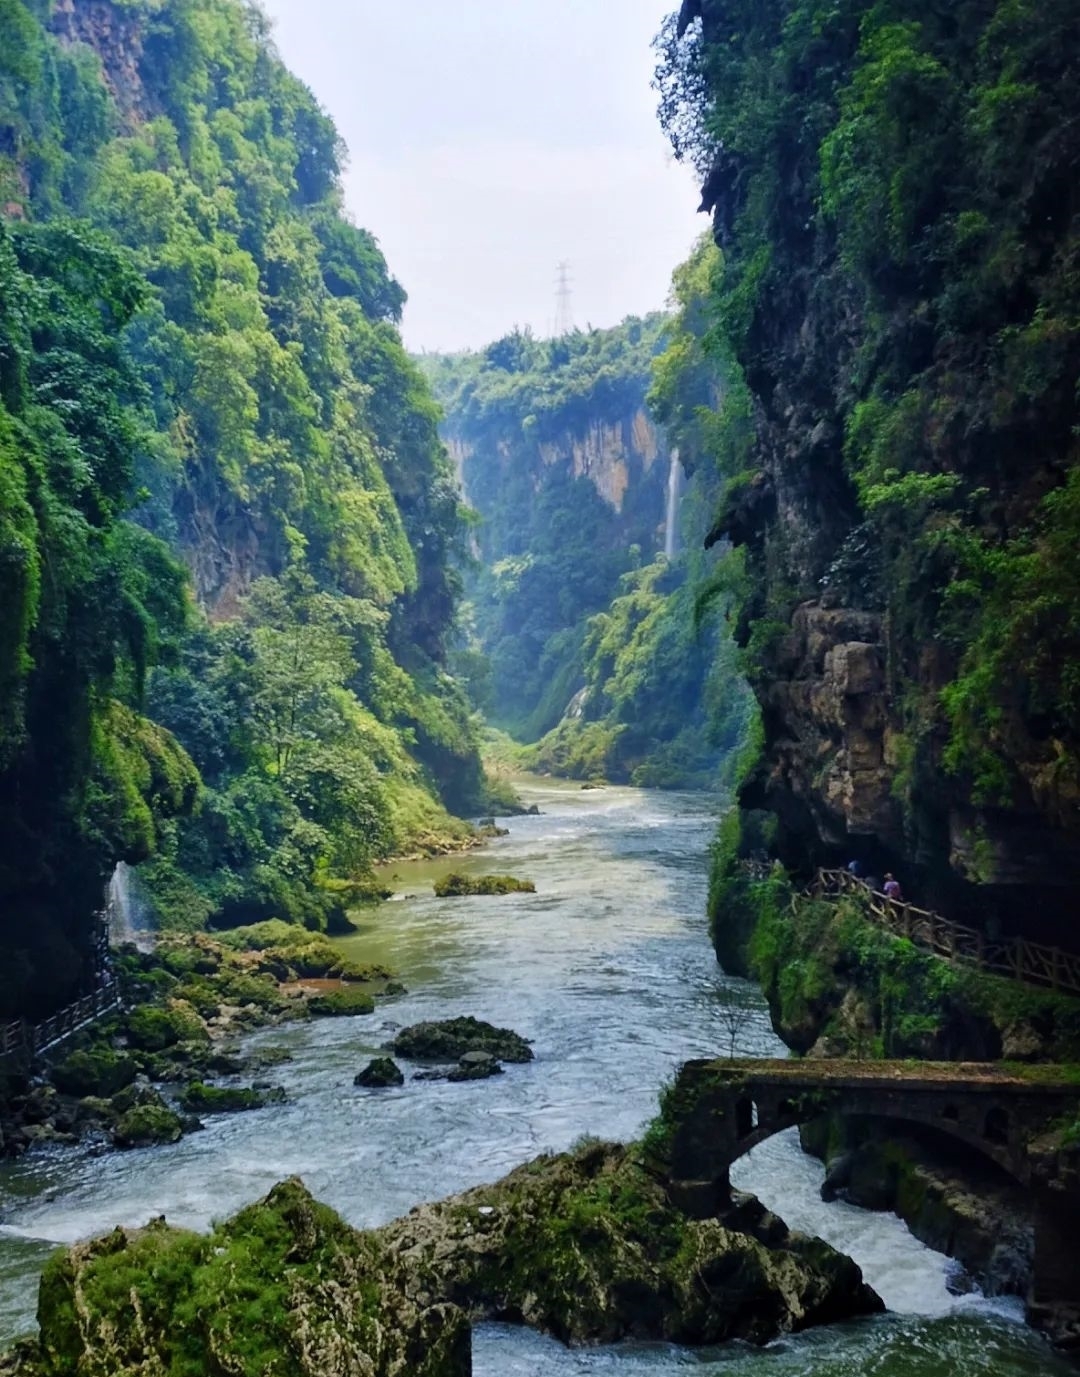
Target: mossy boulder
<point x="145" y="1125"/>
<point x="455" y="886"/>
<point x="341" y="1003"/>
<point x="586" y="1246"/>
<point x="151" y="1028"/>
<point x="283" y="1287"/>
<point x="380" y="1073"/>
<point x="98" y="1072"/>
<point x="451" y="1038"/>
<point x="200" y="1098"/>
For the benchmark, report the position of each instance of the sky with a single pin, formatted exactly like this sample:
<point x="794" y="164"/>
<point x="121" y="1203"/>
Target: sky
<point x="490" y="140"/>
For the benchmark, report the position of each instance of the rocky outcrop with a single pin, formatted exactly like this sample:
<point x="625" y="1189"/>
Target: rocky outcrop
<point x="326" y="1307"/>
<point x="380" y="1073"/>
<point x="826" y="711"/>
<point x="116" y="34"/>
<point x="453" y="1038"/>
<point x="457" y="886"/>
<point x="585" y="1246"/>
<point x="613" y="455"/>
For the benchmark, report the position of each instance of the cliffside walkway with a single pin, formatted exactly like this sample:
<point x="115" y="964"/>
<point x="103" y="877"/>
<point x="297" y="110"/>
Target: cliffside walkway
<point x="1014" y="957"/>
<point x="20" y="1040"/>
<point x="719" y="1110"/>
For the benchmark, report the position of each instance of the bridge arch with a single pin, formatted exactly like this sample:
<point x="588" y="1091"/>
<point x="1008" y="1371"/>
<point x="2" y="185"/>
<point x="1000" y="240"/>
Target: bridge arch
<point x="717" y="1111"/>
<point x="724" y="1109"/>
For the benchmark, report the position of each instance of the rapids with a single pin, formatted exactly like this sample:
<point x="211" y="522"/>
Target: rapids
<point x="609" y="970"/>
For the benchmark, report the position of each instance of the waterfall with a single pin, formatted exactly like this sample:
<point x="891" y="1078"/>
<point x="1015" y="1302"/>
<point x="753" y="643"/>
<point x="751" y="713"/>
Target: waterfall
<point x="675" y="484"/>
<point x="130" y="922"/>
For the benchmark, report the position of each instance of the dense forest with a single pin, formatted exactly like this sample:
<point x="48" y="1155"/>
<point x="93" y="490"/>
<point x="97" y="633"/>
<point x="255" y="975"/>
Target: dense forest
<point x="581" y="635"/>
<point x="229" y="533"/>
<point x="894" y="196"/>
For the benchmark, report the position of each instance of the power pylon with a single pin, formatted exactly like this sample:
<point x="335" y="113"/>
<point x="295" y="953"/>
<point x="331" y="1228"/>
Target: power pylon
<point x="564" y="315"/>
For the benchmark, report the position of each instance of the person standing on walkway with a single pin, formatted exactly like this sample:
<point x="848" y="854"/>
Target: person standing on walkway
<point x="891" y="888"/>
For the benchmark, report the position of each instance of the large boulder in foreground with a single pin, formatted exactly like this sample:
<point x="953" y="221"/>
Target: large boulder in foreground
<point x="451" y="1038"/>
<point x="586" y="1246"/>
<point x="284" y="1287"/>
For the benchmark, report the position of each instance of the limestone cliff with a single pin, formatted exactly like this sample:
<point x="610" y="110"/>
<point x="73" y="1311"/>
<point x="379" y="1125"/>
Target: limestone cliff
<point x="556" y="452"/>
<point x="899" y="289"/>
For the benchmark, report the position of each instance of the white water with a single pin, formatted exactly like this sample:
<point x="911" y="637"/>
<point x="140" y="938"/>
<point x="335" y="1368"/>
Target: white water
<point x="130" y="922"/>
<point x="675" y="487"/>
<point x="609" y="970"/>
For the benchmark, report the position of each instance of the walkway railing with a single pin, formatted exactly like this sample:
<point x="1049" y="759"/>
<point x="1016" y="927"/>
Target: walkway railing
<point x="1014" y="957"/>
<point x="31" y="1039"/>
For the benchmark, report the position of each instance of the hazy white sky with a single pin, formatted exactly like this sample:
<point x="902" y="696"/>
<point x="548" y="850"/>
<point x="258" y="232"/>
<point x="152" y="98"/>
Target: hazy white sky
<point x="490" y="139"/>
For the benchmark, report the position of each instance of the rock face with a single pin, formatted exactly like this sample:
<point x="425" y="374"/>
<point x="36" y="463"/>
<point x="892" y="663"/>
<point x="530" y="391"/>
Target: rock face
<point x="965" y="1210"/>
<point x="452" y="1038"/>
<point x="585" y="1246"/>
<point x="882" y="421"/>
<point x="614" y="454"/>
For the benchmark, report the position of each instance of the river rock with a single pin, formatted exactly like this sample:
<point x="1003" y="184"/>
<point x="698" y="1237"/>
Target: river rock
<point x="456" y="886"/>
<point x="450" y="1039"/>
<point x="146" y="1125"/>
<point x="588" y="1247"/>
<point x="328" y="1306"/>
<point x="200" y="1098"/>
<point x="475" y="1066"/>
<point x="379" y="1073"/>
<point x="585" y="1246"/>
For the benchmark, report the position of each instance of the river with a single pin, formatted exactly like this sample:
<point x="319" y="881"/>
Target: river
<point x="609" y="970"/>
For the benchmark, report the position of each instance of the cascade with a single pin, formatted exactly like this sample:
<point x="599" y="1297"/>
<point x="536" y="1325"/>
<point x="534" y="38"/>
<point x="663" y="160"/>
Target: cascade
<point x="129" y="918"/>
<point x="675" y="486"/>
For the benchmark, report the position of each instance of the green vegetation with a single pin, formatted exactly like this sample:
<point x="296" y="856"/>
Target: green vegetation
<point x="146" y="1124"/>
<point x="451" y="1038"/>
<point x="833" y="977"/>
<point x="200" y="367"/>
<point x="898" y="300"/>
<point x="456" y="885"/>
<point x="344" y="1003"/>
<point x="578" y="634"/>
<point x="199" y="1098"/>
<point x="563" y="513"/>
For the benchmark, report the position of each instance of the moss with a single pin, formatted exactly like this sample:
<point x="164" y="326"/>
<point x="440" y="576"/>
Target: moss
<point x="152" y="1029"/>
<point x="236" y="1292"/>
<point x="452" y="1038"/>
<point x="146" y="1124"/>
<point x="200" y="1098"/>
<point x="456" y="885"/>
<point x="99" y="1071"/>
<point x="341" y="1003"/>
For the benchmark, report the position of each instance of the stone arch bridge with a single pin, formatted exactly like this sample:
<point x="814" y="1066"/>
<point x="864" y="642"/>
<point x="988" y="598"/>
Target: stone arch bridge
<point x="719" y="1110"/>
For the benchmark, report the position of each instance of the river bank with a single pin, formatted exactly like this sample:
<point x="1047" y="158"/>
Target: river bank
<point x="607" y="969"/>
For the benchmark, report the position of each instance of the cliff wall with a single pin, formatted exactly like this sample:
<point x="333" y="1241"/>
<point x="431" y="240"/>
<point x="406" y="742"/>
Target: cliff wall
<point x="895" y="197"/>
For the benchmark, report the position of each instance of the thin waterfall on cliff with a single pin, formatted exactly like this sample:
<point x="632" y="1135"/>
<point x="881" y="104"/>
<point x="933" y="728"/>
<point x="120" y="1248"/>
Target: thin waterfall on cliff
<point x="675" y="485"/>
<point x="130" y="922"/>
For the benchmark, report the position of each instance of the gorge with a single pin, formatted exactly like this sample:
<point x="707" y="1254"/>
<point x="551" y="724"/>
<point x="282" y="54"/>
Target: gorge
<point x="291" y="622"/>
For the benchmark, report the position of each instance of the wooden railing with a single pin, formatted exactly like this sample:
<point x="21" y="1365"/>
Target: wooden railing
<point x="22" y="1039"/>
<point x="1014" y="957"/>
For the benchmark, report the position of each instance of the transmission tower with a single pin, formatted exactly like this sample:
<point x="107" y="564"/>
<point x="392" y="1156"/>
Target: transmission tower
<point x="564" y="315"/>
